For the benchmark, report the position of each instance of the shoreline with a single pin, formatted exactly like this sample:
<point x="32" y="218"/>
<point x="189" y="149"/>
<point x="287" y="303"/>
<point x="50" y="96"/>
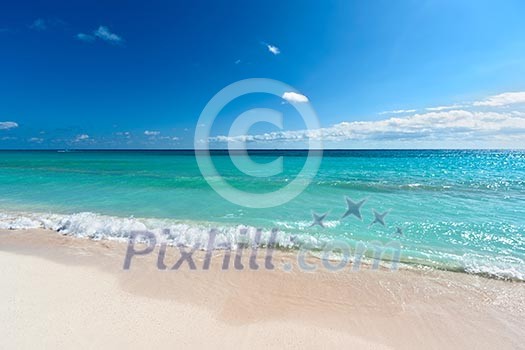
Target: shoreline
<point x="263" y="308"/>
<point x="198" y="233"/>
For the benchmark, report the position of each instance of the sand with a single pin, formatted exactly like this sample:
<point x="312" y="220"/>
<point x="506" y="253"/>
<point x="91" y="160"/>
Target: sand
<point x="59" y="291"/>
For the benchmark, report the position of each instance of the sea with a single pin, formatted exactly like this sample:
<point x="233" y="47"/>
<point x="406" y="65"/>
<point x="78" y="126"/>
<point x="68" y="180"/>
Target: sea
<point x="457" y="210"/>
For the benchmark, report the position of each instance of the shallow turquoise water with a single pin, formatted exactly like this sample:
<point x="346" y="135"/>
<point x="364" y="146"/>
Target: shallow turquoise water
<point x="459" y="210"/>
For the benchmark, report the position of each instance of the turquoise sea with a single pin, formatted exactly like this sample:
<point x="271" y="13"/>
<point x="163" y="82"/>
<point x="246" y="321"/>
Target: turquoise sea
<point x="457" y="210"/>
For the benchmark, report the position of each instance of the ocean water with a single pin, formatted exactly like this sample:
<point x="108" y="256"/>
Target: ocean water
<point x="457" y="210"/>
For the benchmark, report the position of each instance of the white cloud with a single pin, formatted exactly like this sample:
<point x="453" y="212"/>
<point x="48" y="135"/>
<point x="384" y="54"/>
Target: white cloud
<point x="273" y="49"/>
<point x="505" y="99"/>
<point x="399" y="111"/>
<point x="294" y="97"/>
<point x="36" y="140"/>
<point x="151" y="133"/>
<point x="8" y="125"/>
<point x="444" y="108"/>
<point x="85" y="37"/>
<point x="436" y="126"/>
<point x="82" y="137"/>
<point x="238" y="61"/>
<point x="103" y="33"/>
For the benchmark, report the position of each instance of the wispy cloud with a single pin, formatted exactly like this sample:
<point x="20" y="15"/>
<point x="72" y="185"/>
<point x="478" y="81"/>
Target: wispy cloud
<point x="505" y="99"/>
<point x="103" y="33"/>
<point x="273" y="49"/>
<point x="8" y="125"/>
<point x="168" y="138"/>
<point x="501" y="100"/>
<point x="398" y="111"/>
<point x="39" y="24"/>
<point x="151" y="133"/>
<point x="36" y="140"/>
<point x="85" y="37"/>
<point x="444" y="108"/>
<point x="294" y="97"/>
<point x="436" y="126"/>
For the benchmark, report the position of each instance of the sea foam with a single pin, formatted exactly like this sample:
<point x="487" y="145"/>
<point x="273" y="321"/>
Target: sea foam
<point x="175" y="232"/>
<point x="196" y="234"/>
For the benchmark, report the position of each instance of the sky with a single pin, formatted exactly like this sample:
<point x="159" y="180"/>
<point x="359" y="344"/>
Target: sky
<point x="379" y="74"/>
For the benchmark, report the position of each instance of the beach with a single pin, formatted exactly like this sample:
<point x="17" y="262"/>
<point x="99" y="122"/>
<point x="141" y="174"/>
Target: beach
<point x="63" y="291"/>
<point x="262" y="175"/>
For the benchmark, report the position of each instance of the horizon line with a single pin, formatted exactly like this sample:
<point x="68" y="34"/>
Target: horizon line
<point x="251" y="149"/>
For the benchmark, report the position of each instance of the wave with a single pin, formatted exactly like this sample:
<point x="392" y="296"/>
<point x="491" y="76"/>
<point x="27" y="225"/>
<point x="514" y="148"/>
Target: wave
<point x="175" y="232"/>
<point x="289" y="237"/>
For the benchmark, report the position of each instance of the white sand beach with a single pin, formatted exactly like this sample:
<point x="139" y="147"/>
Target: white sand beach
<point x="64" y="292"/>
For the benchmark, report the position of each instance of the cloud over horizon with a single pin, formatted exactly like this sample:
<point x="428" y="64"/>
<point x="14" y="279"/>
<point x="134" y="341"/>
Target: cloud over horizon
<point x="445" y="123"/>
<point x="443" y="108"/>
<point x="505" y="99"/>
<point x="431" y="126"/>
<point x="488" y="121"/>
<point x="398" y="111"/>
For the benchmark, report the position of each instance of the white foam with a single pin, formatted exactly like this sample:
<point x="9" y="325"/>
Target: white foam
<point x="303" y="225"/>
<point x="181" y="233"/>
<point x="190" y="234"/>
<point x="414" y="185"/>
<point x="498" y="270"/>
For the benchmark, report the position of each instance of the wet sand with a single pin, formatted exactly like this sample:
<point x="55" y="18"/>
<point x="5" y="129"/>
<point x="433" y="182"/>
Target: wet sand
<point x="60" y="291"/>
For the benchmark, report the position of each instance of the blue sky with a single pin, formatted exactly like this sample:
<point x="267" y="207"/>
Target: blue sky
<point x="125" y="74"/>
